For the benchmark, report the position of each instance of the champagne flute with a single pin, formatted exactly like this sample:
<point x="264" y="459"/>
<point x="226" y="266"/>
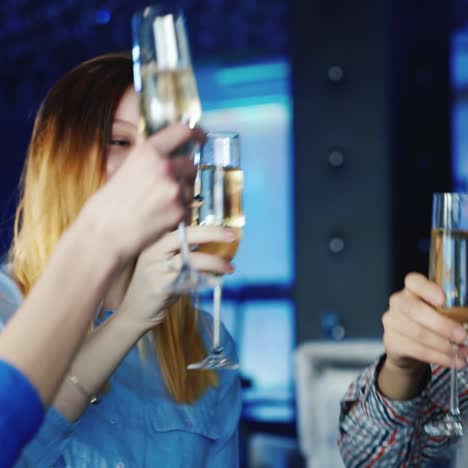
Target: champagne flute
<point x="167" y="90"/>
<point x="219" y="188"/>
<point x="449" y="269"/>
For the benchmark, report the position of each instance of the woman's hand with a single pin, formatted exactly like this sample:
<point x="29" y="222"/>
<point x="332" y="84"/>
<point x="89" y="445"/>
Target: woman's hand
<point x="142" y="200"/>
<point x="416" y="335"/>
<point x="147" y="298"/>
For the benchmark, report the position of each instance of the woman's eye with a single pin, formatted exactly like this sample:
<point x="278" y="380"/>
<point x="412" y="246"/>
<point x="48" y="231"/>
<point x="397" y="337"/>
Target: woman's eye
<point x="119" y="142"/>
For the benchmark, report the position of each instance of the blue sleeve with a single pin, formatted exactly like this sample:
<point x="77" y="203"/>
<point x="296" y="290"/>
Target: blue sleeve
<point x="47" y="445"/>
<point x="21" y="413"/>
<point x="50" y="442"/>
<point x="225" y="451"/>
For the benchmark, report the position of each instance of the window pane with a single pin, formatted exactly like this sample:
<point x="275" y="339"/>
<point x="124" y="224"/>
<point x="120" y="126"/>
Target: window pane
<point x="254" y="100"/>
<point x="459" y="75"/>
<point x="267" y="343"/>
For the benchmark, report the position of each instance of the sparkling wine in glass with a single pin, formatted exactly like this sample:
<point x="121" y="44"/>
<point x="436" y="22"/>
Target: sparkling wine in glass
<point x="449" y="269"/>
<point x="219" y="187"/>
<point x="167" y="90"/>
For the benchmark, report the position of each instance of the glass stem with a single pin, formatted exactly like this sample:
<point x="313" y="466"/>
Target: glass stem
<point x="217" y="297"/>
<point x="184" y="249"/>
<point x="454" y="410"/>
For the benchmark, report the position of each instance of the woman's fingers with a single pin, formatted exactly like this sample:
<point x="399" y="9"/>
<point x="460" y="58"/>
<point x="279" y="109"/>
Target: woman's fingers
<point x="164" y="256"/>
<point x="210" y="263"/>
<point x="198" y="235"/>
<point x="172" y="137"/>
<point x="201" y="262"/>
<point x="184" y="169"/>
<point x="205" y="234"/>
<point x="169" y="245"/>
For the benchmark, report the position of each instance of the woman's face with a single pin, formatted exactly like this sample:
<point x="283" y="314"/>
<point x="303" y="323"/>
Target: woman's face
<point x="124" y="131"/>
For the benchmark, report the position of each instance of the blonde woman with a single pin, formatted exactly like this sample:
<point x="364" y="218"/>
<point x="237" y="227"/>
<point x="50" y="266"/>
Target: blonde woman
<point x="153" y="411"/>
<point x="31" y="372"/>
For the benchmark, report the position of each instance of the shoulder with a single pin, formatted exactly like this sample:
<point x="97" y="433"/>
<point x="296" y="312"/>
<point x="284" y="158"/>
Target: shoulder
<point x="10" y="295"/>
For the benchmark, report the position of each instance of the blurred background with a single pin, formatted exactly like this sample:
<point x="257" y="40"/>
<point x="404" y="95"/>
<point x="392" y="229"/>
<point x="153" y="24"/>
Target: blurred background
<point x="351" y="115"/>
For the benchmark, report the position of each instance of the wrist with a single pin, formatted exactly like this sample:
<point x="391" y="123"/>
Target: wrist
<point x="410" y="367"/>
<point x="127" y="318"/>
<point x="402" y="382"/>
<point x="91" y="229"/>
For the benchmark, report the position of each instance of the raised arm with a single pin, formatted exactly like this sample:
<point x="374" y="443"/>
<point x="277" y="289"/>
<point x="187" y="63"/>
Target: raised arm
<point x="144" y="306"/>
<point x="139" y="204"/>
<point x="385" y="409"/>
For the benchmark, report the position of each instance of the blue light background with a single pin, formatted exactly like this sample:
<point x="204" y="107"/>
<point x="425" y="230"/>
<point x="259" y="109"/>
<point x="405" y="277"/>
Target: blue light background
<point x="254" y="99"/>
<point x="459" y="76"/>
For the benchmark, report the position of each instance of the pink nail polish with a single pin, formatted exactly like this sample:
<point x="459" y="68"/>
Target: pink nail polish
<point x="458" y="335"/>
<point x="230" y="235"/>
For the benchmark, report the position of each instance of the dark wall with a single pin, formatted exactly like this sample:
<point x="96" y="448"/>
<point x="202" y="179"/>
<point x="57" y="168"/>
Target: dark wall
<point x="14" y="133"/>
<point x="420" y="106"/>
<point x="371" y="100"/>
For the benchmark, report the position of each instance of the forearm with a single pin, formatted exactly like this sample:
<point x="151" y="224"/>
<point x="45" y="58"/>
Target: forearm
<point x="402" y="384"/>
<point x="97" y="359"/>
<point x="45" y="333"/>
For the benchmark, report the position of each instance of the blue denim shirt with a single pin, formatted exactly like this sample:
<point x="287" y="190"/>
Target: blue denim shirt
<point x="137" y="424"/>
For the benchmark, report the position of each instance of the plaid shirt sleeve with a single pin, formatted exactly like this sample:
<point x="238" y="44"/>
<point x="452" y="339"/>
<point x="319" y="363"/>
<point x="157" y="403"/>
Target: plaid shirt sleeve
<point x="378" y="432"/>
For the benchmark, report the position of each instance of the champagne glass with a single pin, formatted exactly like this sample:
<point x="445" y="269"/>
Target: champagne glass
<point x="449" y="269"/>
<point x="167" y="90"/>
<point x="219" y="190"/>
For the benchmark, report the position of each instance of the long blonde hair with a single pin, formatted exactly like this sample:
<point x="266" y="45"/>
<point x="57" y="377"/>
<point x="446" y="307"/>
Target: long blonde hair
<point x="65" y="165"/>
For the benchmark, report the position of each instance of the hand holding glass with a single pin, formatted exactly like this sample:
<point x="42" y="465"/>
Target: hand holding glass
<point x="449" y="269"/>
<point x="167" y="90"/>
<point x="219" y="188"/>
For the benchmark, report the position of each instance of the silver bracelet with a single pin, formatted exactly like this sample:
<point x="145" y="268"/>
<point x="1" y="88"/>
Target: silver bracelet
<point x="93" y="399"/>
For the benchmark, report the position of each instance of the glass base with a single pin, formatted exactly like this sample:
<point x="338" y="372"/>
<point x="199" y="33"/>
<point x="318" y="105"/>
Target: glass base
<point x="449" y="426"/>
<point x="189" y="280"/>
<point x="216" y="359"/>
